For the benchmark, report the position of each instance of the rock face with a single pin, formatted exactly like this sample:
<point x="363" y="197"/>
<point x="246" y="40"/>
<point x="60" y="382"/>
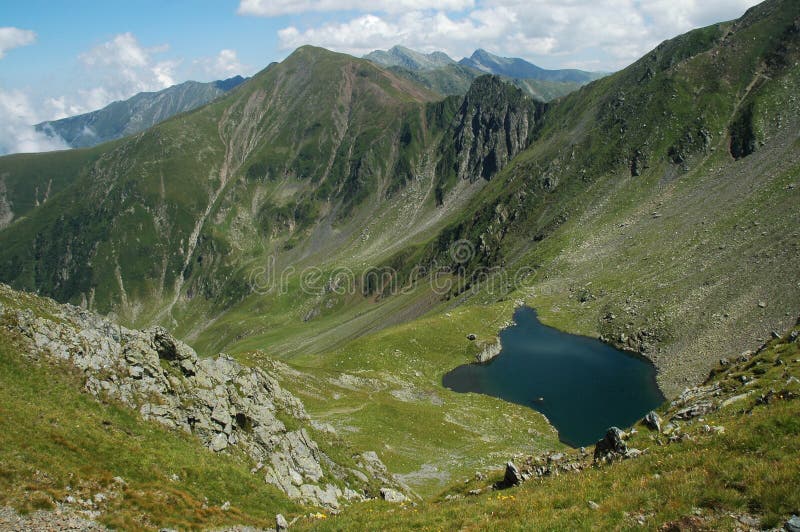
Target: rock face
<point x="222" y="402"/>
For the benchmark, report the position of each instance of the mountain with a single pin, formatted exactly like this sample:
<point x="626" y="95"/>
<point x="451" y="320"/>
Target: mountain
<point x="374" y="235"/>
<point x="438" y="72"/>
<point x="520" y="69"/>
<point x="123" y="118"/>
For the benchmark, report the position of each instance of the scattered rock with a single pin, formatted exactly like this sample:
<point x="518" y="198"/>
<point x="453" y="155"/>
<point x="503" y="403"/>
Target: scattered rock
<point x="652" y="421"/>
<point x="512" y="476"/>
<point x="390" y="495"/>
<point x="593" y="505"/>
<point x="471" y="337"/>
<point x="762" y="304"/>
<point x="793" y="336"/>
<point x="225" y="506"/>
<point x="697" y="409"/>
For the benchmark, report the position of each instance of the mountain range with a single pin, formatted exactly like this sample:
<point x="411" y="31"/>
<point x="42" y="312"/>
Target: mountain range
<point x="355" y="228"/>
<point x="441" y="73"/>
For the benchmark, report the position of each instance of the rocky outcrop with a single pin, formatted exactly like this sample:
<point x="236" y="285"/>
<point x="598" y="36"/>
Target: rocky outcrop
<point x="224" y="403"/>
<point x="6" y="215"/>
<point x="494" y="123"/>
<point x="489" y="352"/>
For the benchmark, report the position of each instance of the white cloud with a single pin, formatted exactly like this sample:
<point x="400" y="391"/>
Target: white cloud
<point x="11" y="38"/>
<point x="224" y="65"/>
<point x="16" y="132"/>
<point x="122" y="67"/>
<point x="607" y="34"/>
<point x="274" y="8"/>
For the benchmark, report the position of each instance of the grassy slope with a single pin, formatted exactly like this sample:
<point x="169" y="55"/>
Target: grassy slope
<point x="704" y="482"/>
<point x="56" y="442"/>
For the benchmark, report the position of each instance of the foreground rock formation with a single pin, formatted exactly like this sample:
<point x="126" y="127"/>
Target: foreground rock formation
<point x="225" y="404"/>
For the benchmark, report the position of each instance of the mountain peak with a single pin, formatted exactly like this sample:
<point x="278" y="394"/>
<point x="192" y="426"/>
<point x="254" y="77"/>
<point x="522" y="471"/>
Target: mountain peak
<point x="401" y="56"/>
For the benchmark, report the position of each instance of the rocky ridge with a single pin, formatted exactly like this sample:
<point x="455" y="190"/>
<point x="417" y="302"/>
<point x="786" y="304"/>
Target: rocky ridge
<point x="224" y="403"/>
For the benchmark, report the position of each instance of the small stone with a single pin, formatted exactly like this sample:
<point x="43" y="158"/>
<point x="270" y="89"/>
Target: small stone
<point x="776" y="335"/>
<point x="762" y="304"/>
<point x="225" y="506"/>
<point x="471" y="337"/>
<point x="593" y="505"/>
<point x="280" y="523"/>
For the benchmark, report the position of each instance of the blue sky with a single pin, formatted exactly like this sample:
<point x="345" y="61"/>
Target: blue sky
<point x="59" y="58"/>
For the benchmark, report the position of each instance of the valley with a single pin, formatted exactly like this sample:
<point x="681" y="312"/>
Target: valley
<point x="349" y="231"/>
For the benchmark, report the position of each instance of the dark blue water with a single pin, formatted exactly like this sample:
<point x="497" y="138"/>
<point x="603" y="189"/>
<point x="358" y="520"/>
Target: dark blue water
<point x="582" y="385"/>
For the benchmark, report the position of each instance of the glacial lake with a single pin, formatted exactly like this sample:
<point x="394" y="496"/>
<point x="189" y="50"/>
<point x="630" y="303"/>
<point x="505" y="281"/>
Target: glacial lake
<point x="582" y="385"/>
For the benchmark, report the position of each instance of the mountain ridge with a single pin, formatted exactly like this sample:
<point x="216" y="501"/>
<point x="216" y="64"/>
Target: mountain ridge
<point x="515" y="67"/>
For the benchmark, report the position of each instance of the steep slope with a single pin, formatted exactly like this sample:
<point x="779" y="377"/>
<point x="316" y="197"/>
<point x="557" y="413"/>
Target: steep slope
<point x="514" y="67"/>
<point x="264" y="163"/>
<point x="144" y="110"/>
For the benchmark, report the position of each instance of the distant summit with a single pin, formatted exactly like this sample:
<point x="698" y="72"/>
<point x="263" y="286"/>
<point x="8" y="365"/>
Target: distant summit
<point x="515" y="67"/>
<point x="140" y="112"/>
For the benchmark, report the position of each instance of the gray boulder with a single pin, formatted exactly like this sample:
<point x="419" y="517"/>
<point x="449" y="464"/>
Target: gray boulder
<point x="610" y="445"/>
<point x="512" y="476"/>
<point x="390" y="495"/>
<point x="652" y="421"/>
<point x="792" y="524"/>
